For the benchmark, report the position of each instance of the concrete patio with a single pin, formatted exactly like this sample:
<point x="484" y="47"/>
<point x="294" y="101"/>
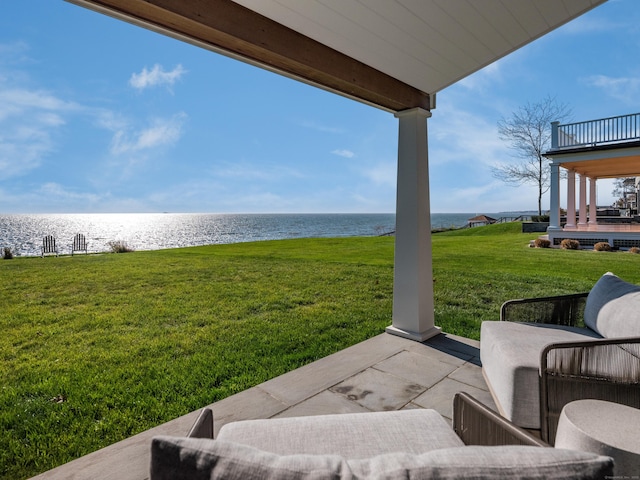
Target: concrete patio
<point x="386" y="372"/>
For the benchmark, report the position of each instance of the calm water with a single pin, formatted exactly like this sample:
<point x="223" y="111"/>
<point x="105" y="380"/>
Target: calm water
<point x="23" y="233"/>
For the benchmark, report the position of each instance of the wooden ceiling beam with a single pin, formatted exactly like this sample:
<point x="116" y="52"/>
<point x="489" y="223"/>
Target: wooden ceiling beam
<point x="230" y="28"/>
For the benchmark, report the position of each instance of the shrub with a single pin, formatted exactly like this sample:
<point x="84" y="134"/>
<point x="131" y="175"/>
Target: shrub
<point x="541" y="243"/>
<point x="602" y="247"/>
<point x="570" y="244"/>
<point x="634" y="250"/>
<point x="7" y="254"/>
<point x="119" y="246"/>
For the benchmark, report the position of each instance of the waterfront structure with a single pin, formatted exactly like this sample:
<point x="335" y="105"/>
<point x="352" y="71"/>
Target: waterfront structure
<point x="588" y="151"/>
<point x="481" y="221"/>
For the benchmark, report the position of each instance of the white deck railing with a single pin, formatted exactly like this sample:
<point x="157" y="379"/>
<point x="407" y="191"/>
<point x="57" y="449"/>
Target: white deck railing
<point x="624" y="128"/>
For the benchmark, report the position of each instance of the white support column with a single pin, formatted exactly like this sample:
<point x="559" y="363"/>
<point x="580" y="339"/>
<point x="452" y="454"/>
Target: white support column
<point x="582" y="217"/>
<point x="413" y="275"/>
<point x="554" y="198"/>
<point x="593" y="208"/>
<point x="571" y="199"/>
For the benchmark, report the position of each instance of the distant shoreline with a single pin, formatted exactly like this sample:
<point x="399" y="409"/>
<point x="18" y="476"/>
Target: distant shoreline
<point x="23" y="233"/>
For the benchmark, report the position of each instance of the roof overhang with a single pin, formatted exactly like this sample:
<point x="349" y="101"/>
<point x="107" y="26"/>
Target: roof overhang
<point x="607" y="161"/>
<point x="393" y="54"/>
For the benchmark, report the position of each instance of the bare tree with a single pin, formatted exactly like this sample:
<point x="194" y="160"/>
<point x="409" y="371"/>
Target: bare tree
<point x="528" y="132"/>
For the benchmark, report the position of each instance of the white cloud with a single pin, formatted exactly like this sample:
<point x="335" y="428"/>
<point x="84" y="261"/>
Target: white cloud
<point x="384" y="174"/>
<point x="22" y="149"/>
<point x="156" y="76"/>
<point x="247" y="171"/>
<point x="212" y="195"/>
<point x="19" y="102"/>
<point x="24" y="99"/>
<point x="51" y="119"/>
<point x="344" y="153"/>
<point x="52" y="197"/>
<point x="162" y="132"/>
<point x="28" y="121"/>
<point x="487" y="77"/>
<point x="54" y="192"/>
<point x="110" y="120"/>
<point x="464" y="137"/>
<point x="488" y="196"/>
<point x="625" y="89"/>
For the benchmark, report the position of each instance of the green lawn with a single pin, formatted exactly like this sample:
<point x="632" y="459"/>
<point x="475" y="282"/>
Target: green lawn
<point x="97" y="348"/>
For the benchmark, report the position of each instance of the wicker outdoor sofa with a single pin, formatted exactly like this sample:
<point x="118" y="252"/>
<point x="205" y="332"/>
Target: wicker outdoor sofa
<point x="547" y="352"/>
<point x="414" y="443"/>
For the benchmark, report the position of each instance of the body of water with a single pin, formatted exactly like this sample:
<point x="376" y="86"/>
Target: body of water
<point x="24" y="233"/>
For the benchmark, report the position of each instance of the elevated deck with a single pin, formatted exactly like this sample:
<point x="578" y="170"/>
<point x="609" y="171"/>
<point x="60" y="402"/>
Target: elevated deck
<point x="619" y="236"/>
<point x="383" y="373"/>
<point x="592" y="150"/>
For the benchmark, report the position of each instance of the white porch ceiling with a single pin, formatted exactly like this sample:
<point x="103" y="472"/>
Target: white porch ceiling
<point x="394" y="54"/>
<point x="622" y="160"/>
<point x="426" y="44"/>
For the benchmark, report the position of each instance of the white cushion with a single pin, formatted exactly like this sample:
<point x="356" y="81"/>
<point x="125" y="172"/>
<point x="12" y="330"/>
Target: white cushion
<point x="510" y="353"/>
<point x="613" y="308"/>
<point x="203" y="459"/>
<point x="352" y="435"/>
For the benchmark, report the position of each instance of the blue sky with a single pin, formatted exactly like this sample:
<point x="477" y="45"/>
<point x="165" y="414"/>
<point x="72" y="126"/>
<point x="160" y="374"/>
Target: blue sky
<point x="97" y="115"/>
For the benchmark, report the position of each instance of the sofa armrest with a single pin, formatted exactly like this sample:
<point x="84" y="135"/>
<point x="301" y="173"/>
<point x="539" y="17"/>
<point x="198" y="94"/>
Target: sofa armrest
<point x="604" y="369"/>
<point x="476" y="424"/>
<point x="203" y="426"/>
<point x="559" y="310"/>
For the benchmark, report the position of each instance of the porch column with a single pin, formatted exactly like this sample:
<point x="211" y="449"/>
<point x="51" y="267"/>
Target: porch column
<point x="582" y="218"/>
<point x="571" y="199"/>
<point x="554" y="198"/>
<point x="593" y="207"/>
<point x="413" y="276"/>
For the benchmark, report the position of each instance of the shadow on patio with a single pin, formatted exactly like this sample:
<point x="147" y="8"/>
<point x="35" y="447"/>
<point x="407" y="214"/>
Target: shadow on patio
<point x="385" y="372"/>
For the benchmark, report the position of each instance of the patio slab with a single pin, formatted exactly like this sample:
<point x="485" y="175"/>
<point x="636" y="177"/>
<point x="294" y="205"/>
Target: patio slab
<point x="378" y="391"/>
<point x="420" y="369"/>
<point x="440" y="396"/>
<point x="385" y="372"/>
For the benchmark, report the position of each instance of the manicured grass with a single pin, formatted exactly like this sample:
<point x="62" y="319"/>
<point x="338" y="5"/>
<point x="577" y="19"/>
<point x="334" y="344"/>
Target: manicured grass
<point x="476" y="270"/>
<point x="97" y="348"/>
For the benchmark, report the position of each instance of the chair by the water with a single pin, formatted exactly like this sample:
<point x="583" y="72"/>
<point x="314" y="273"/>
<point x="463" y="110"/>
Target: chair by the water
<point x="79" y="244"/>
<point x="49" y="246"/>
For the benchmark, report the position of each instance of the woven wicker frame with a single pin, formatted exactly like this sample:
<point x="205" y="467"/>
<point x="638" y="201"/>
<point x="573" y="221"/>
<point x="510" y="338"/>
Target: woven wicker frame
<point x="473" y="422"/>
<point x="476" y="424"/>
<point x="601" y="369"/>
<point x="558" y="310"/>
<point x="607" y="369"/>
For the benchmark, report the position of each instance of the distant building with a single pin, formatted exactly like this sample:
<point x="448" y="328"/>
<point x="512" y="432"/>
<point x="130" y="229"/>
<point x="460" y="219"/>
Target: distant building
<point x="480" y="221"/>
<point x="589" y="151"/>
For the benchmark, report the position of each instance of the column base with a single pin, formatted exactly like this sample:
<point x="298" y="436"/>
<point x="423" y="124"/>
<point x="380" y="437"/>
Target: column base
<point x="417" y="336"/>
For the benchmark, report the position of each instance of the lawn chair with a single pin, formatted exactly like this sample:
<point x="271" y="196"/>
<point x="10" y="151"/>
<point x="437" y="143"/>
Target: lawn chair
<point x="49" y="246"/>
<point x="549" y="351"/>
<point x="79" y="244"/>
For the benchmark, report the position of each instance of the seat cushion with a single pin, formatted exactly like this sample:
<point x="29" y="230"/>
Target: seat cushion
<point x="204" y="459"/>
<point x="613" y="308"/>
<point x="510" y="354"/>
<point x="353" y="435"/>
